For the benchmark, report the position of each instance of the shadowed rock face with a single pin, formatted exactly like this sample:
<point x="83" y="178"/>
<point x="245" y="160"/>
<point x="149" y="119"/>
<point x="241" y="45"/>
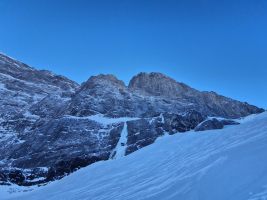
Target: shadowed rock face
<point x="50" y="127"/>
<point x="144" y="132"/>
<point x="22" y="72"/>
<point x="182" y="96"/>
<point x="214" y="123"/>
<point x="22" y="87"/>
<point x="149" y="95"/>
<point x="157" y="84"/>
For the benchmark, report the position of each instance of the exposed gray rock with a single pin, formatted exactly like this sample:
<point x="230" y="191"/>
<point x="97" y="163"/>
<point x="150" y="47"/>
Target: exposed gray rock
<point x="63" y="145"/>
<point x="157" y="84"/>
<point x="142" y="133"/>
<point x="22" y="73"/>
<point x="180" y="96"/>
<point x="21" y="87"/>
<point x="214" y="123"/>
<point x="174" y="123"/>
<point x="209" y="125"/>
<point x="107" y="95"/>
<point x="229" y="122"/>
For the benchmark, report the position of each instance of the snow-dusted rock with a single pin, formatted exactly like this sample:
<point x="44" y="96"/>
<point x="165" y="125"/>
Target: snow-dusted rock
<point x="214" y="123"/>
<point x="48" y="121"/>
<point x="182" y="97"/>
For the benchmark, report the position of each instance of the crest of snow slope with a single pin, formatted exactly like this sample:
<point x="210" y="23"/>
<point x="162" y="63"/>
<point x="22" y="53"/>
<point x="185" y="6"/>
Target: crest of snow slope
<point x="227" y="164"/>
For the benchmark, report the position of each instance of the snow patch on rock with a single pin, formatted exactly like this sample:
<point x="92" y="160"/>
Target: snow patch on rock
<point x="120" y="149"/>
<point x="101" y="119"/>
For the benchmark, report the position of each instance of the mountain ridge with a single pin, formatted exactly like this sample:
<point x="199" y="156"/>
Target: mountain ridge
<point x="50" y="122"/>
<point x="130" y="86"/>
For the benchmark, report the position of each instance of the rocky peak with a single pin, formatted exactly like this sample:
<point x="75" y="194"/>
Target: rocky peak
<point x="11" y="65"/>
<point x="103" y="80"/>
<point x="158" y="84"/>
<point x="12" y="69"/>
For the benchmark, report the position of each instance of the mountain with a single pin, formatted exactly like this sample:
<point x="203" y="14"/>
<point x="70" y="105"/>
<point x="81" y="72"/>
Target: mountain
<point x="51" y="126"/>
<point x="22" y="87"/>
<point x="218" y="164"/>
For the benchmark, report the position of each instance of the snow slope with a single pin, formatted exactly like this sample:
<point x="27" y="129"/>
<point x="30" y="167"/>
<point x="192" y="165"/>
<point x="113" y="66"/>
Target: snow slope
<point x="227" y="164"/>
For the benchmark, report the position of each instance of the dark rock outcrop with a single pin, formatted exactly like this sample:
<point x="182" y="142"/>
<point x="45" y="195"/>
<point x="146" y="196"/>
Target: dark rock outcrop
<point x="214" y="123"/>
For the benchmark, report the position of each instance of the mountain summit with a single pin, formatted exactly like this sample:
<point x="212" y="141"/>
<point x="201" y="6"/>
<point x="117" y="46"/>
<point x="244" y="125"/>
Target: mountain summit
<point x="157" y="84"/>
<point x="51" y="126"/>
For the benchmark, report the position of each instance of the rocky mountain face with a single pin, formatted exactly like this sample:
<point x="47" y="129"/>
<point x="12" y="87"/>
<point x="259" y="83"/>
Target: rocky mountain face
<point x="51" y="126"/>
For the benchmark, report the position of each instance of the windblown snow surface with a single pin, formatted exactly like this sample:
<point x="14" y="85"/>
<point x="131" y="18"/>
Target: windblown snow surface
<point x="227" y="164"/>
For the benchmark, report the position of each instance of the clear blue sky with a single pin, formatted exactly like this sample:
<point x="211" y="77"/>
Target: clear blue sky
<point x="218" y="45"/>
